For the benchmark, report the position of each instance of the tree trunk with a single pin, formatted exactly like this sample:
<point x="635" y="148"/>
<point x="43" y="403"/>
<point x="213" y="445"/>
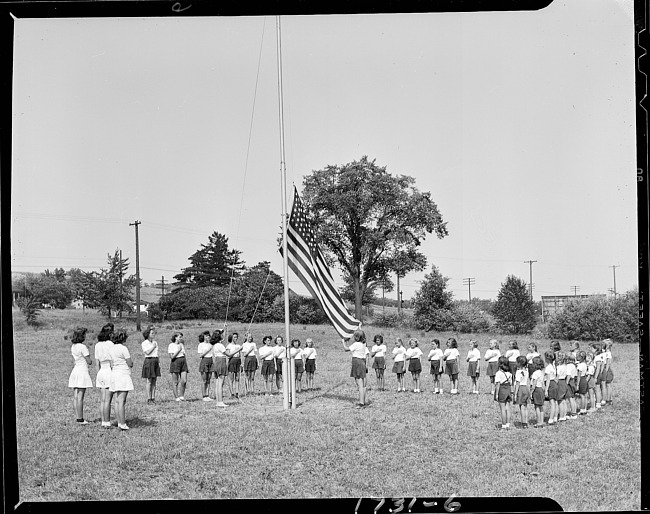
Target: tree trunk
<point x="358" y="295"/>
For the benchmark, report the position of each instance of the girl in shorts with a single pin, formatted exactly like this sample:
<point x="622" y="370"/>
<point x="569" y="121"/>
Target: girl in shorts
<point x="599" y="362"/>
<point x="473" y="358"/>
<point x="609" y="373"/>
<point x="451" y="357"/>
<point x="537" y="385"/>
<point x="583" y="388"/>
<point x="309" y="358"/>
<point x="151" y="365"/>
<point x="378" y="352"/>
<point x="561" y="379"/>
<point x="80" y="379"/>
<point x="571" y="386"/>
<point x="219" y="365"/>
<point x="413" y="354"/>
<point x="503" y="390"/>
<point x="103" y="380"/>
<point x="512" y="353"/>
<point x="591" y="382"/>
<point x="233" y="352"/>
<point x="178" y="365"/>
<point x="522" y="390"/>
<point x="268" y="364"/>
<point x="205" y="366"/>
<point x="532" y="353"/>
<point x="550" y="385"/>
<point x="436" y="358"/>
<point x="358" y="372"/>
<point x="492" y="357"/>
<point x="295" y="353"/>
<point x="279" y="351"/>
<point x="399" y="357"/>
<point x="250" y="355"/>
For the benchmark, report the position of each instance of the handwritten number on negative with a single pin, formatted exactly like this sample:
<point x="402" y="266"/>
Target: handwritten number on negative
<point x="178" y="7"/>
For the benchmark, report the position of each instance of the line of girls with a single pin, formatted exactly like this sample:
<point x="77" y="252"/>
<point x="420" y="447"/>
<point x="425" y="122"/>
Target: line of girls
<point x="572" y="383"/>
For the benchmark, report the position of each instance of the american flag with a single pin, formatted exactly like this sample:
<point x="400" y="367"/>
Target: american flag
<point x="307" y="262"/>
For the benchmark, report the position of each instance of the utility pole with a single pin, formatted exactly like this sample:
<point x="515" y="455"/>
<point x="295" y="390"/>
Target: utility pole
<point x="401" y="300"/>
<point x="399" y="294"/>
<point x="468" y="282"/>
<point x="575" y="290"/>
<point x="163" y="285"/>
<point x="530" y="284"/>
<point x="614" y="269"/>
<point x="137" y="275"/>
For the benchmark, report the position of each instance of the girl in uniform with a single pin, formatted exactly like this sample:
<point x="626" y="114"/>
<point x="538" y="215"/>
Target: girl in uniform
<point x="250" y="355"/>
<point x="591" y="382"/>
<point x="103" y="380"/>
<point x="583" y="388"/>
<point x="503" y="391"/>
<point x="358" y="372"/>
<point x="561" y="378"/>
<point x="268" y="364"/>
<point x="473" y="358"/>
<point x="492" y="357"/>
<point x="399" y="356"/>
<point x="295" y="352"/>
<point x="451" y="357"/>
<point x="121" y="382"/>
<point x="233" y="352"/>
<point x="178" y="365"/>
<point x="522" y="390"/>
<point x="512" y="353"/>
<point x="205" y="367"/>
<point x="599" y="362"/>
<point x="378" y="352"/>
<point x="279" y="352"/>
<point x="219" y="365"/>
<point x="571" y="386"/>
<point x="151" y="365"/>
<point x="537" y="385"/>
<point x="413" y="355"/>
<point x="532" y="353"/>
<point x="436" y="358"/>
<point x="609" y="374"/>
<point x="309" y="357"/>
<point x="80" y="379"/>
<point x="550" y="385"/>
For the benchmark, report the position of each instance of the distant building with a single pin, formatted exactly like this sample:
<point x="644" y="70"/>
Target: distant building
<point x="552" y="304"/>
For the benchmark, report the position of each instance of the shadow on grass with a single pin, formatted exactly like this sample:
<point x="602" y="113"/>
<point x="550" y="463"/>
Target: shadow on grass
<point x="137" y="422"/>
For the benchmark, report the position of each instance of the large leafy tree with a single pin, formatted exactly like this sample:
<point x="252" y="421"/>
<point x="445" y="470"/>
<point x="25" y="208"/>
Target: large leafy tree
<point x="370" y="221"/>
<point x="514" y="310"/>
<point x="253" y="294"/>
<point x="212" y="264"/>
<point x="48" y="289"/>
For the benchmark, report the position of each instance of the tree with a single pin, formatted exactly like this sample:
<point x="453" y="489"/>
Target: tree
<point x="432" y="303"/>
<point x="109" y="288"/>
<point x="514" y="310"/>
<point x="48" y="289"/>
<point x="253" y="293"/>
<point x="368" y="220"/>
<point x="212" y="264"/>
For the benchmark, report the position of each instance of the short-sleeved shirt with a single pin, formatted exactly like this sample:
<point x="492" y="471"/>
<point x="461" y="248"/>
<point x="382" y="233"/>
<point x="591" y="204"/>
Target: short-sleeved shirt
<point x="233" y="348"/>
<point x="561" y="371"/>
<point x="413" y="353"/>
<point x="492" y="355"/>
<point x="501" y="377"/>
<point x="148" y="345"/>
<point x="266" y="353"/>
<point x="119" y="354"/>
<point x="521" y="376"/>
<point x="79" y="353"/>
<point x="103" y="351"/>
<point x="473" y="355"/>
<point x="379" y="350"/>
<point x="512" y="355"/>
<point x="219" y="350"/>
<point x="451" y="353"/>
<point x="537" y="378"/>
<point x="571" y="370"/>
<point x="530" y="356"/>
<point x="435" y="354"/>
<point x="309" y="353"/>
<point x="358" y="350"/>
<point x="296" y="353"/>
<point x="173" y="347"/>
<point x="278" y="351"/>
<point x="203" y="347"/>
<point x="582" y="368"/>
<point x="248" y="349"/>
<point x="399" y="353"/>
<point x="550" y="371"/>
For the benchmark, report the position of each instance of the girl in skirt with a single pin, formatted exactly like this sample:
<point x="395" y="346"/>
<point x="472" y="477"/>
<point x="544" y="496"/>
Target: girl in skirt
<point x="267" y="355"/>
<point x="473" y="358"/>
<point x="537" y="385"/>
<point x="550" y="385"/>
<point x="503" y="390"/>
<point x="103" y="381"/>
<point x="591" y="382"/>
<point x="151" y="365"/>
<point x="296" y="354"/>
<point x="178" y="365"/>
<point x="561" y="378"/>
<point x="583" y="387"/>
<point x="378" y="352"/>
<point x="492" y="357"/>
<point x="413" y="355"/>
<point x="609" y="374"/>
<point x="574" y="348"/>
<point x="121" y="382"/>
<point x="532" y="353"/>
<point x="358" y="372"/>
<point x="80" y="379"/>
<point x="599" y="362"/>
<point x="279" y="351"/>
<point x="571" y="386"/>
<point x="250" y="356"/>
<point x="451" y="358"/>
<point x="233" y="352"/>
<point x="512" y="353"/>
<point x="436" y="358"/>
<point x="205" y="365"/>
<point x="309" y="355"/>
<point x="399" y="357"/>
<point x="522" y="391"/>
<point x="219" y="365"/>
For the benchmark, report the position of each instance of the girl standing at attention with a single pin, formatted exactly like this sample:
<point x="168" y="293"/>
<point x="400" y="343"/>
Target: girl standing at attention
<point x="399" y="357"/>
<point x="583" y="388"/>
<point x="532" y="353"/>
<point x="295" y="353"/>
<point x="413" y="355"/>
<point x="178" y="365"/>
<point x="233" y="352"/>
<point x="571" y="386"/>
<point x="550" y="385"/>
<point x="103" y="380"/>
<point x="473" y="358"/>
<point x="574" y="348"/>
<point x="378" y="352"/>
<point x="309" y="357"/>
<point x="358" y="372"/>
<point x="591" y="382"/>
<point x="121" y="382"/>
<point x="205" y="367"/>
<point x="512" y="353"/>
<point x="279" y="351"/>
<point x="537" y="384"/>
<point x="80" y="379"/>
<point x="436" y="358"/>
<point x="451" y="357"/>
<point x="268" y="364"/>
<point x="609" y="374"/>
<point x="492" y="357"/>
<point x="599" y="362"/>
<point x="502" y="391"/>
<point x="249" y="353"/>
<point x="522" y="391"/>
<point x="561" y="378"/>
<point x="219" y="366"/>
<point x="151" y="365"/>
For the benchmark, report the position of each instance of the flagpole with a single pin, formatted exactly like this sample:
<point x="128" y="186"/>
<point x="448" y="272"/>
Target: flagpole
<point x="286" y="368"/>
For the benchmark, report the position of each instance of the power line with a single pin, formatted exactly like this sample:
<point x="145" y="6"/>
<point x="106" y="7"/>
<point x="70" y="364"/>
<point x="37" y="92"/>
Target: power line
<point x="468" y="282"/>
<point x="530" y="287"/>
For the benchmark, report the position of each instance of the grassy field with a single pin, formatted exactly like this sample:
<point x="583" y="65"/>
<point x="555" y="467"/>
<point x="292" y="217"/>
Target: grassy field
<point x="403" y="444"/>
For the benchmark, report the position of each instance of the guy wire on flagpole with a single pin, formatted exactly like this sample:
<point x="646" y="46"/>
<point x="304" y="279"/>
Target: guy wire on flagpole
<point x="287" y="370"/>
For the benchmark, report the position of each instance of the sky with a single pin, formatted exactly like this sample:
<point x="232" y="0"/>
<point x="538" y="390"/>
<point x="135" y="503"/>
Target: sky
<point x="520" y="124"/>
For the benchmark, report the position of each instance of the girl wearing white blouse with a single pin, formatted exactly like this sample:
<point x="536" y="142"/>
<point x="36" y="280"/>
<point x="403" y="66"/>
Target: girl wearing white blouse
<point x="267" y="355"/>
<point x="399" y="357"/>
<point x="233" y="352"/>
<point x="205" y="364"/>
<point x="473" y="371"/>
<point x="279" y="351"/>
<point x="250" y="356"/>
<point x="103" y="381"/>
<point x="451" y="357"/>
<point x="151" y="365"/>
<point x="295" y="352"/>
<point x="492" y="357"/>
<point x="379" y="363"/>
<point x="436" y="358"/>
<point x="413" y="355"/>
<point x="309" y="355"/>
<point x="80" y="379"/>
<point x="121" y="382"/>
<point x="178" y="365"/>
<point x="358" y="372"/>
<point x="219" y="365"/>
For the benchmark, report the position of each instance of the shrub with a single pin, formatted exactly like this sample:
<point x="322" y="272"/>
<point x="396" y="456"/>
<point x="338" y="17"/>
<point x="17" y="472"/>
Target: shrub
<point x="30" y="308"/>
<point x="514" y="310"/>
<point x="393" y="320"/>
<point x="469" y="318"/>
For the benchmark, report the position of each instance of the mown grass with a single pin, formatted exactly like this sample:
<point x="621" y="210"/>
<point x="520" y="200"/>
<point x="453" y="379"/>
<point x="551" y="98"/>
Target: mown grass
<point x="403" y="444"/>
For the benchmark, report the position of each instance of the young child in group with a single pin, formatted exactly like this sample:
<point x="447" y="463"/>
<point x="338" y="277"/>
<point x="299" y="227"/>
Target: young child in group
<point x="561" y="379"/>
<point x="503" y="390"/>
<point x="279" y="352"/>
<point x="492" y="357"/>
<point x="399" y="357"/>
<point x="599" y="360"/>
<point x="591" y="382"/>
<point x="219" y="365"/>
<point x="609" y="373"/>
<point x="451" y="358"/>
<point x="205" y="365"/>
<point x="554" y="346"/>
<point x="574" y="348"/>
<point x="309" y="357"/>
<point x="295" y="353"/>
<point x="532" y="353"/>
<point x="512" y="353"/>
<point x="80" y="379"/>
<point x="583" y="388"/>
<point x="413" y="355"/>
<point x="522" y="390"/>
<point x="571" y="386"/>
<point x="537" y="385"/>
<point x="378" y="352"/>
<point x="550" y="385"/>
<point x="233" y="352"/>
<point x="436" y="358"/>
<point x="178" y="365"/>
<point x="250" y="355"/>
<point x="267" y="355"/>
<point x="473" y="370"/>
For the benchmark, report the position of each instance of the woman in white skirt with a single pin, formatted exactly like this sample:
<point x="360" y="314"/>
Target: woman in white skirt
<point x="151" y="365"/>
<point x="121" y="382"/>
<point x="80" y="378"/>
<point x="103" y="381"/>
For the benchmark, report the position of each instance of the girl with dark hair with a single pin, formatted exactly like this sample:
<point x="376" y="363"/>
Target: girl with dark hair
<point x="267" y="355"/>
<point x="103" y="380"/>
<point x="473" y="369"/>
<point x="502" y="390"/>
<point x="399" y="363"/>
<point x="379" y="363"/>
<point x="358" y="372"/>
<point x="522" y="391"/>
<point x="219" y="365"/>
<point x="205" y="365"/>
<point x="550" y="385"/>
<point x="413" y="354"/>
<point x="309" y="358"/>
<point x="151" y="365"/>
<point x="296" y="354"/>
<point x="250" y="355"/>
<point x="537" y="385"/>
<point x="451" y="357"/>
<point x="80" y="379"/>
<point x="436" y="358"/>
<point x="121" y="382"/>
<point x="178" y="365"/>
<point x="492" y="357"/>
<point x="233" y="352"/>
<point x="279" y="350"/>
